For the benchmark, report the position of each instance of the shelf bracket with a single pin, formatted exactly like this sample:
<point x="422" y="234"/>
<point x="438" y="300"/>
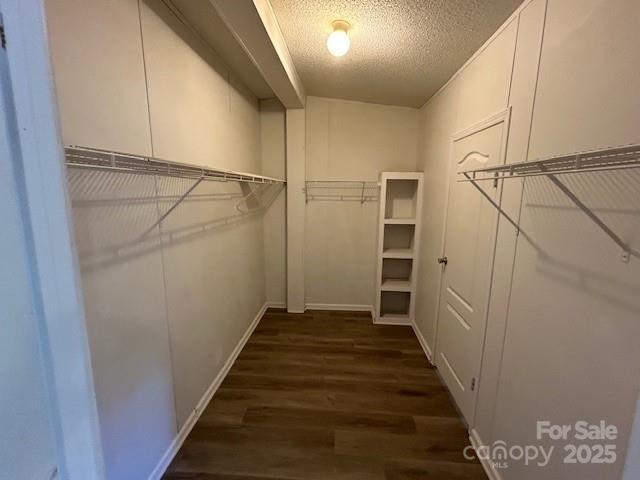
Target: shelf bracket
<point x="172" y="208"/>
<point x="515" y="224"/>
<point x="251" y="193"/>
<point x="626" y="250"/>
<point x="493" y="202"/>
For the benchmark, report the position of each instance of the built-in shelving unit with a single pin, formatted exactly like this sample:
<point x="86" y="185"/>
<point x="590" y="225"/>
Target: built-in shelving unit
<point x="398" y="233"/>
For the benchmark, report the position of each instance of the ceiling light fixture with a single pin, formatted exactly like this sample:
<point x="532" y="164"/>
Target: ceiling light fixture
<point x="338" y="42"/>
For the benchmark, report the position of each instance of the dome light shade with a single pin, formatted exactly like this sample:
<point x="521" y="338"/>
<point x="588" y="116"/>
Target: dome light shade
<point x="338" y="42"/>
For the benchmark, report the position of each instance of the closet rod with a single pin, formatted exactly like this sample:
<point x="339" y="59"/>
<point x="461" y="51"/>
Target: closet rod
<point x="106" y="160"/>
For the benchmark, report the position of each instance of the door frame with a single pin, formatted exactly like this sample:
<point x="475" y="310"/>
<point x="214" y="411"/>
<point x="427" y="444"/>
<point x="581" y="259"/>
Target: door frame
<point x="502" y="116"/>
<point x="38" y="155"/>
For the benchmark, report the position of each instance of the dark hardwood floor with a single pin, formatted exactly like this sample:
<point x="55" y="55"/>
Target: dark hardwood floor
<point x="328" y="395"/>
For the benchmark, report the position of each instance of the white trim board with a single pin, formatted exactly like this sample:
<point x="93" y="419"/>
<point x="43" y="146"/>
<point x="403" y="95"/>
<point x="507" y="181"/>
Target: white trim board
<point x="339" y="307"/>
<point x="48" y="233"/>
<point x="173" y="449"/>
<point x="423" y="342"/>
<point x="279" y="305"/>
<point x="398" y="322"/>
<point x="491" y="472"/>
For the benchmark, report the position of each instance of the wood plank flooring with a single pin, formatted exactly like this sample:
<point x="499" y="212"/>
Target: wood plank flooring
<point x="328" y="395"/>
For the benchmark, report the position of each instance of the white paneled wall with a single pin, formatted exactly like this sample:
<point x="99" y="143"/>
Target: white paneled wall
<point x="521" y="96"/>
<point x="99" y="73"/>
<point x="483" y="86"/>
<point x="125" y="307"/>
<point x="562" y="319"/>
<point x="166" y="312"/>
<point x="350" y="141"/>
<point x="199" y="114"/>
<point x="588" y="70"/>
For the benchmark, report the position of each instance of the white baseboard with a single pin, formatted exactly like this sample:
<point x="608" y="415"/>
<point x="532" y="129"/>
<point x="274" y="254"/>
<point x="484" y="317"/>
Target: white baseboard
<point x="403" y="322"/>
<point x="423" y="342"/>
<point x="171" y="452"/>
<point x="276" y="305"/>
<point x="347" y="307"/>
<point x="489" y="469"/>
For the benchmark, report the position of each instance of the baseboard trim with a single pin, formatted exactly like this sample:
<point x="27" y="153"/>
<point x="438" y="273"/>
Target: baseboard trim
<point x="173" y="449"/>
<point x="489" y="469"/>
<point x="423" y="342"/>
<point x="340" y="306"/>
<point x="399" y="323"/>
<point x="276" y="305"/>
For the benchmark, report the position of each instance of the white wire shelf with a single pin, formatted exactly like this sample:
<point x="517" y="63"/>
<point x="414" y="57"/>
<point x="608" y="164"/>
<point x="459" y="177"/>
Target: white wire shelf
<point x="341" y="190"/>
<point x="593" y="161"/>
<point x="603" y="160"/>
<point x="105" y="160"/>
<point x="98" y="159"/>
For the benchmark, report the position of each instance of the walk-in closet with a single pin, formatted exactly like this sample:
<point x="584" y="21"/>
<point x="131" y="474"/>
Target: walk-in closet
<point x="319" y="240"/>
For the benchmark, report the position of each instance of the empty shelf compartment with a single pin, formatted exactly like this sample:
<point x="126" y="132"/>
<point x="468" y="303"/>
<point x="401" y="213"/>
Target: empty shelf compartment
<point x="398" y="239"/>
<point x="401" y="199"/>
<point x="395" y="304"/>
<point x="396" y="275"/>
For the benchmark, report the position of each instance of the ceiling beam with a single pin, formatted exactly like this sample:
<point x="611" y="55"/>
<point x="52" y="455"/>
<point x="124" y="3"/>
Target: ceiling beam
<point x="255" y="27"/>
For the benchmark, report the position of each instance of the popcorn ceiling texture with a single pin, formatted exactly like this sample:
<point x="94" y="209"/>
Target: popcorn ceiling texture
<point x="402" y="51"/>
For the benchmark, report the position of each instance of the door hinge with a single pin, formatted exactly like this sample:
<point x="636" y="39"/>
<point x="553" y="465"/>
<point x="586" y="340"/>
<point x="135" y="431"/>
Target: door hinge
<point x="3" y="38"/>
<point x="473" y="384"/>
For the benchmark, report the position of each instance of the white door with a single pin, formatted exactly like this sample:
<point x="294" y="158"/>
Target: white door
<point x="469" y="245"/>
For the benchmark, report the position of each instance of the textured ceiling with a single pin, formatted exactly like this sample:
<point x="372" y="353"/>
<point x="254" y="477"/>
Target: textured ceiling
<point x="402" y="51"/>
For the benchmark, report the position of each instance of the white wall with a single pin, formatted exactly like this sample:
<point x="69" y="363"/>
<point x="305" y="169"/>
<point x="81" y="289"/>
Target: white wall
<point x="560" y="339"/>
<point x="350" y="141"/>
<point x="98" y="43"/>
<point x="295" y="153"/>
<point x="273" y="150"/>
<point x="164" y="312"/>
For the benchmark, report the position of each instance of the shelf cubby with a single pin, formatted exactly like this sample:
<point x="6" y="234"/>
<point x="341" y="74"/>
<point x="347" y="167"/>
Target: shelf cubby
<point x="401" y="199"/>
<point x="399" y="236"/>
<point x="395" y="305"/>
<point x="396" y="275"/>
